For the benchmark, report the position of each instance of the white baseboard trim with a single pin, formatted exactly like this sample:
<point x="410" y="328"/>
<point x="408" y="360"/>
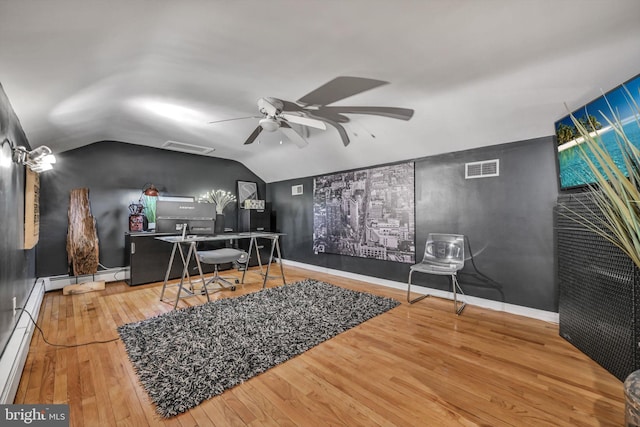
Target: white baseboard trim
<point x="15" y="354"/>
<point x="547" y="316"/>
<point x="108" y="275"/>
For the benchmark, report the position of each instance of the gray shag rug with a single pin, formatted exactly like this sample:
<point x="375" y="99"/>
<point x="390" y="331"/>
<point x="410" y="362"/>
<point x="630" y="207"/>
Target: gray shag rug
<point x="184" y="357"/>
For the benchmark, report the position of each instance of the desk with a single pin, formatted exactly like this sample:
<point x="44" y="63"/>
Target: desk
<point x="192" y="241"/>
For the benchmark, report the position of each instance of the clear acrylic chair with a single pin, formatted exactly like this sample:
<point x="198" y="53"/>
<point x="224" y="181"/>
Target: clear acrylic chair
<point x="443" y="256"/>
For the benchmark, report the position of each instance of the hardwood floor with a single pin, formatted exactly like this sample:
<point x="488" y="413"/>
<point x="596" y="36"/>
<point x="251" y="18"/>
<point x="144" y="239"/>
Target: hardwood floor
<point x="415" y="365"/>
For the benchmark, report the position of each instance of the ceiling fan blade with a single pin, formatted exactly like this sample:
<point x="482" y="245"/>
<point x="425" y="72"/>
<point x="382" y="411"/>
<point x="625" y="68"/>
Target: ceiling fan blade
<point x="237" y="118"/>
<point x="304" y="121"/>
<point x="253" y="135"/>
<point x="290" y="106"/>
<point x="293" y="136"/>
<point x="341" y="130"/>
<point x="343" y="133"/>
<point x="326" y="114"/>
<point x="339" y="88"/>
<point x="391" y="112"/>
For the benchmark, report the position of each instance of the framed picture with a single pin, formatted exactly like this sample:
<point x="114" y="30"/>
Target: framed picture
<point x="247" y="190"/>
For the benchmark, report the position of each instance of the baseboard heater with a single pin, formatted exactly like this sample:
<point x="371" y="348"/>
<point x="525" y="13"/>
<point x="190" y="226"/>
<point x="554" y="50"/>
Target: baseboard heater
<point x="108" y="275"/>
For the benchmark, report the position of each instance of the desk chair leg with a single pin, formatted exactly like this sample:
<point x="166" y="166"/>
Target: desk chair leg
<point x="217" y="279"/>
<point x="456" y="287"/>
<point x="409" y="300"/>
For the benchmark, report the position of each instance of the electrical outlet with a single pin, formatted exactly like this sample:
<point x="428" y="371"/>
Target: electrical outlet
<point x="14" y="306"/>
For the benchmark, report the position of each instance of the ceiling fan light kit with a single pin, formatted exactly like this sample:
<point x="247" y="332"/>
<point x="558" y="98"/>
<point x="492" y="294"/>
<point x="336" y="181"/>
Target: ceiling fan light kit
<point x="269" y="124"/>
<point x="312" y="110"/>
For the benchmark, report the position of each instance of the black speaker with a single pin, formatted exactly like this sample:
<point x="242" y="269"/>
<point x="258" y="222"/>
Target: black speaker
<point x="255" y="219"/>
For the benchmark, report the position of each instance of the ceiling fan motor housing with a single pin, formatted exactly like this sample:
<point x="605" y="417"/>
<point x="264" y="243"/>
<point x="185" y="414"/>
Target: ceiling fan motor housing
<point x="271" y="107"/>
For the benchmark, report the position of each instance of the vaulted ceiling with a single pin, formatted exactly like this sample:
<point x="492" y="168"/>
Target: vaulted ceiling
<point x="476" y="72"/>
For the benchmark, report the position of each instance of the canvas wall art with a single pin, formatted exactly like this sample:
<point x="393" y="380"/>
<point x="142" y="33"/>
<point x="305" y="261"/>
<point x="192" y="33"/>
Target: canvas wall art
<point x="620" y="104"/>
<point x="366" y="213"/>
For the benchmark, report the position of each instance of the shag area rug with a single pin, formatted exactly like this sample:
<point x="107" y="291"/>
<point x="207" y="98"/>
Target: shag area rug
<point x="184" y="357"/>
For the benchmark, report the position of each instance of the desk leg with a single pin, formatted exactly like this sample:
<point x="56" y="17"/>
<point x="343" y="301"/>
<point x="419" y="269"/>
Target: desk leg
<point x="277" y="241"/>
<point x="246" y="267"/>
<point x="166" y="276"/>
<point x="266" y="276"/>
<point x="204" y="285"/>
<point x="185" y="272"/>
<point x="258" y="257"/>
<point x="185" y="263"/>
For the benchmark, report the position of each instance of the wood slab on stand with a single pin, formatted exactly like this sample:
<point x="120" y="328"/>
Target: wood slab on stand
<point x="82" y="237"/>
<point x="82" y="288"/>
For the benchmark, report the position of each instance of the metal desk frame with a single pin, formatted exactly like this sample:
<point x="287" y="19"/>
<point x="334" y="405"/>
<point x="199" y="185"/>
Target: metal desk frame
<point x="192" y="242"/>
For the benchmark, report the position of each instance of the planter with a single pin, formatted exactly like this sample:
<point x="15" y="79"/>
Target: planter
<point x="218" y="227"/>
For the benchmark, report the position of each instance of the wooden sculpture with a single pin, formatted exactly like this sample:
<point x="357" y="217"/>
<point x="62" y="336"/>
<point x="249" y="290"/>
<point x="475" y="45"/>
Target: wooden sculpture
<point x="82" y="237"/>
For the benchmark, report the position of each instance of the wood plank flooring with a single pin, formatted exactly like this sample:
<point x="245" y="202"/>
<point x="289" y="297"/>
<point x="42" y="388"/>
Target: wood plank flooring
<point x="416" y="365"/>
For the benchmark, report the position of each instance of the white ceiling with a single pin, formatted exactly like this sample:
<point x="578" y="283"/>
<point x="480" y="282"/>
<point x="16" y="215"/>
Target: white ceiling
<point x="476" y="72"/>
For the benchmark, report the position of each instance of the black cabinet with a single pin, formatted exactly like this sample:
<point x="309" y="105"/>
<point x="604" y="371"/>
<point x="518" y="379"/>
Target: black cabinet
<point x="148" y="257"/>
<point x="256" y="220"/>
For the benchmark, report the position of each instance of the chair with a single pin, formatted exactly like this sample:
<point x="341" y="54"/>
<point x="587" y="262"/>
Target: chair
<point x="443" y="256"/>
<point x="222" y="256"/>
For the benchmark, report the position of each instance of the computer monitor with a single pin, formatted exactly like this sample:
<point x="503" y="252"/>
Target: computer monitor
<point x="198" y="217"/>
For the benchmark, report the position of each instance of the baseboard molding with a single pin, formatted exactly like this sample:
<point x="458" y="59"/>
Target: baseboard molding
<point x="108" y="275"/>
<point x="547" y="316"/>
<point x="15" y="354"/>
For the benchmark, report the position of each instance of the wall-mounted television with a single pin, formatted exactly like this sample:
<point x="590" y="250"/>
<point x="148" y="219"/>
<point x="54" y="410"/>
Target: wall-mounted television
<point x="573" y="169"/>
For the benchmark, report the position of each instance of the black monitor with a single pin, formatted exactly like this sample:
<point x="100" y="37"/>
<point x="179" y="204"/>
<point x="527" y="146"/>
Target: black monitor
<point x="198" y="217"/>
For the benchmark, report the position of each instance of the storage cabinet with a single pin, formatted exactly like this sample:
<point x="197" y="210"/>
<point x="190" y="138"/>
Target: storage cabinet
<point x="255" y="220"/>
<point x="148" y="258"/>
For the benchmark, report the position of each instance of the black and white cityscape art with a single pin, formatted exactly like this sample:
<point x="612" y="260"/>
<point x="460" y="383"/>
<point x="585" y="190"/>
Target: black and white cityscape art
<point x="366" y="213"/>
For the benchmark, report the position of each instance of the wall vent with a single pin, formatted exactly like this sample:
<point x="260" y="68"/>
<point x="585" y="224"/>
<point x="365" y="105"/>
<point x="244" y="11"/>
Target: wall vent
<point x="296" y="190"/>
<point x="187" y="148"/>
<point x="483" y="169"/>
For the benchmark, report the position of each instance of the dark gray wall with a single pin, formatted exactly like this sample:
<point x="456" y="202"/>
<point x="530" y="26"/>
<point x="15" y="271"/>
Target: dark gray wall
<point x="17" y="271"/>
<point x="508" y="221"/>
<point x="115" y="174"/>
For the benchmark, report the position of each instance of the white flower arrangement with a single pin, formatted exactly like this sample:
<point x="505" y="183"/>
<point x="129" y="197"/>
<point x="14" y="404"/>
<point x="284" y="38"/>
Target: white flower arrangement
<point x="221" y="198"/>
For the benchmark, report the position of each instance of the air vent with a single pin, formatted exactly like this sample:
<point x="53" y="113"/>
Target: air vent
<point x="187" y="148"/>
<point x="482" y="169"/>
<point x="296" y="190"/>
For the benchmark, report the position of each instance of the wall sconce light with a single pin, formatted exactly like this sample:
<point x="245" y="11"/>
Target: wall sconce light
<point x="6" y="153"/>
<point x="39" y="159"/>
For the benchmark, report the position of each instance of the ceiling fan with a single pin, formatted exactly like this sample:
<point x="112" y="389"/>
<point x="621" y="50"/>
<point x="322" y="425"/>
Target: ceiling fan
<point x="312" y="110"/>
